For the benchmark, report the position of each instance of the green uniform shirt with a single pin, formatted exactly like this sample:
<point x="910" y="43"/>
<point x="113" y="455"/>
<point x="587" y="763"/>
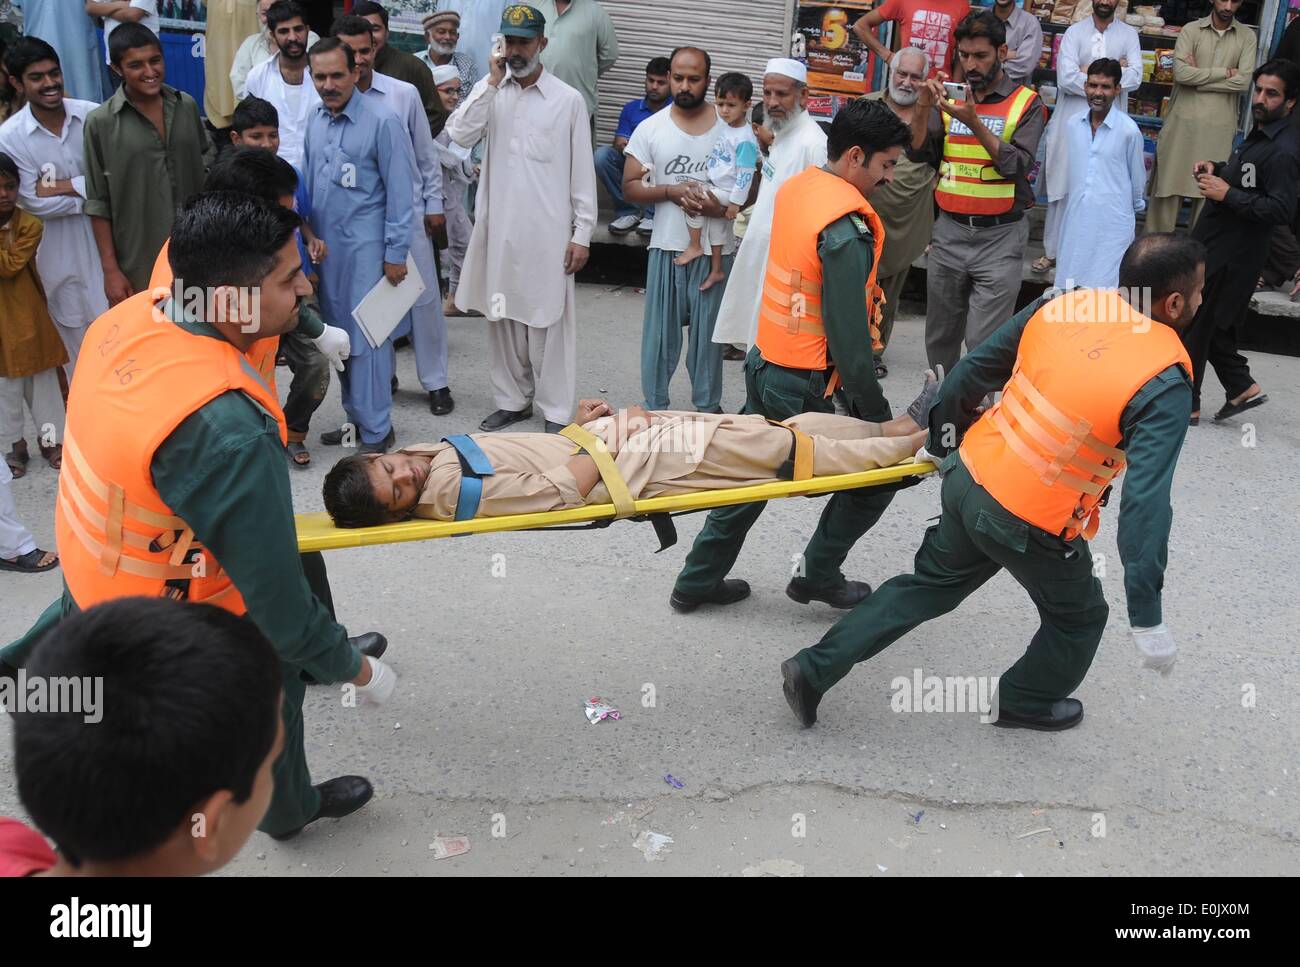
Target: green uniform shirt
<point x="136" y="181"/>
<point x="846" y="252"/>
<point x="1154" y="425"/>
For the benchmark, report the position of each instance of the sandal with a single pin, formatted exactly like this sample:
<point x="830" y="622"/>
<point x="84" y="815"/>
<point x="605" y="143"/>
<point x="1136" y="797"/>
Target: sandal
<point x="298" y="453"/>
<point x="33" y="562"/>
<point x="1042" y="264"/>
<point x="1231" y="409"/>
<point x="53" y="455"/>
<point x="17" y="459"/>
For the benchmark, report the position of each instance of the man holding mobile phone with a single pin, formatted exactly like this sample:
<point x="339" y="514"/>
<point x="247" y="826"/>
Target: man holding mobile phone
<point x="983" y="145"/>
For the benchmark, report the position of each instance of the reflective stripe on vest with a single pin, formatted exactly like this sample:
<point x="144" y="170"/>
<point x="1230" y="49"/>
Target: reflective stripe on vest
<point x="1048" y="450"/>
<point x="969" y="183"/>
<point x="474" y="466"/>
<point x="141" y="376"/>
<point x="791" y="329"/>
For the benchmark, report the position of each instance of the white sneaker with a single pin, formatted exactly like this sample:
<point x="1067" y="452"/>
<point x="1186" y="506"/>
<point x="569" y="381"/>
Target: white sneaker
<point x="646" y="227"/>
<point x="623" y="224"/>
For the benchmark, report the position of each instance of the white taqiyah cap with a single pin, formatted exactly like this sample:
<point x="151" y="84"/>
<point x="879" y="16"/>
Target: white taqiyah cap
<point x="787" y="67"/>
<point x="445" y="73"/>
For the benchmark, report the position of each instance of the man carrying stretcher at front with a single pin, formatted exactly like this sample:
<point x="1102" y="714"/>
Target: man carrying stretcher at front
<point x="646" y="454"/>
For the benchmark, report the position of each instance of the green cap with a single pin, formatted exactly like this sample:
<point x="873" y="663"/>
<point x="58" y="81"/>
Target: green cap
<point x="521" y="20"/>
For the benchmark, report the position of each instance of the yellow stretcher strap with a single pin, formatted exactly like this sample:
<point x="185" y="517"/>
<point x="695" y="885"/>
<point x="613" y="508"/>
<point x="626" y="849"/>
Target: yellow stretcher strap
<point x="316" y="532"/>
<point x="803" y="455"/>
<point x="619" y="496"/>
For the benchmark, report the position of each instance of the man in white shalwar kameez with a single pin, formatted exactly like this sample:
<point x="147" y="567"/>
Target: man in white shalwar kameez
<point x="534" y="214"/>
<point x="800" y="142"/>
<point x="45" y="141"/>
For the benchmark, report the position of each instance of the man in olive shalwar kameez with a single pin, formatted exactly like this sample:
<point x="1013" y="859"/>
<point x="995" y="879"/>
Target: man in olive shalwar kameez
<point x="906" y="204"/>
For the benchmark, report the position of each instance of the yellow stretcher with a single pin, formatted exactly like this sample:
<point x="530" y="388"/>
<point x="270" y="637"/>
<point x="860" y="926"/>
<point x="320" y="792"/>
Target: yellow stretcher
<point x="317" y="533"/>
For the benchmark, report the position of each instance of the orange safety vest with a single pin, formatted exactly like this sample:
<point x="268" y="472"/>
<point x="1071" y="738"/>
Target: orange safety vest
<point x="969" y="184"/>
<point x="790" y="327"/>
<point x="136" y="381"/>
<point x="261" y="354"/>
<point x="1047" y="451"/>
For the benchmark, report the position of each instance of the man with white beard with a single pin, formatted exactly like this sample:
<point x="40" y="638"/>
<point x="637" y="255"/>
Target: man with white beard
<point x="799" y="144"/>
<point x="906" y="204"/>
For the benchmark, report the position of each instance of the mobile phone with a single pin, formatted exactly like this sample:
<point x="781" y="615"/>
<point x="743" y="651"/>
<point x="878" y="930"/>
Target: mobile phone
<point x="954" y="92"/>
<point x="498" y="50"/>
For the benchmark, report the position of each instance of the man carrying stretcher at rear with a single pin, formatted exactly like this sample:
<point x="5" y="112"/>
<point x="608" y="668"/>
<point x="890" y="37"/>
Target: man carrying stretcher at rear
<point x="645" y="454"/>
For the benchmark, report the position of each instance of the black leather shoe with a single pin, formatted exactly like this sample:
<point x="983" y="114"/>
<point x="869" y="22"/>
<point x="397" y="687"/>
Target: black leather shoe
<point x="729" y="591"/>
<point x="392" y="385"/>
<point x="554" y="427"/>
<point x="846" y="596"/>
<point x="372" y="643"/>
<point x="338" y="798"/>
<point x="802" y="698"/>
<point x="440" y="401"/>
<point x="332" y="438"/>
<point x="1065" y="714"/>
<point x="383" y="446"/>
<point x="503" y="418"/>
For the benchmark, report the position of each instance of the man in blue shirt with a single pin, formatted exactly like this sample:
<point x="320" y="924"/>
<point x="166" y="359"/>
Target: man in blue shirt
<point x="609" y="160"/>
<point x="358" y="172"/>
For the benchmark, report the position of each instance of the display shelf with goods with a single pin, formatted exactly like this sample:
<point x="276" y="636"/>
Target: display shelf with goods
<point x="1158" y="27"/>
<point x="839" y="64"/>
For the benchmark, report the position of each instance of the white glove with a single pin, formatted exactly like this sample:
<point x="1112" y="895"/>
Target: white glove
<point x="383" y="680"/>
<point x="924" y="456"/>
<point x="1157" y="647"/>
<point x="335" y="344"/>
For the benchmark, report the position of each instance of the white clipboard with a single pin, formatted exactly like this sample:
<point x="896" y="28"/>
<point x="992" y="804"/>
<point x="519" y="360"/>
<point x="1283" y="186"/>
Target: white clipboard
<point x="384" y="306"/>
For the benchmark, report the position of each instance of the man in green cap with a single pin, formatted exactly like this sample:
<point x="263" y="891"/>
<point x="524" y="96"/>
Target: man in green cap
<point x="532" y="224"/>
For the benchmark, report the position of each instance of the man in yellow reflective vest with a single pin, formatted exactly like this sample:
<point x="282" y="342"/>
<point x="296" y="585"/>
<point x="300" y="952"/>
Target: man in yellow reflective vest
<point x="1093" y="381"/>
<point x="983" y="144"/>
<point x="814" y="334"/>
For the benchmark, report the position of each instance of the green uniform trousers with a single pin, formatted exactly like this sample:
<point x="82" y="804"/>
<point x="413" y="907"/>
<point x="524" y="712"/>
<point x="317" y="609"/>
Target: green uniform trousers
<point x="778" y="394"/>
<point x="973" y="540"/>
<point x="294" y="800"/>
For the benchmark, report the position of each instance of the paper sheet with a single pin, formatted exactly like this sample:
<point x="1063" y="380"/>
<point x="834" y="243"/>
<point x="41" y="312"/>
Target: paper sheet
<point x="385" y="305"/>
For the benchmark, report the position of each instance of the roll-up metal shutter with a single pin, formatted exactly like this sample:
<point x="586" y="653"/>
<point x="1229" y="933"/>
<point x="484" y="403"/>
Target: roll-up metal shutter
<point x="740" y="35"/>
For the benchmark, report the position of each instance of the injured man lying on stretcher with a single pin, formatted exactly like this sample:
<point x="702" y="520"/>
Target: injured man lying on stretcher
<point x="656" y="454"/>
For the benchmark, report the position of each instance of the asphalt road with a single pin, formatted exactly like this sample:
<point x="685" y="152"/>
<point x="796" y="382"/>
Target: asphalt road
<point x="499" y="639"/>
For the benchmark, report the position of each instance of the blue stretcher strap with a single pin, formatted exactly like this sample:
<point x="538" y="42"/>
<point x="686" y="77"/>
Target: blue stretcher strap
<point x="474" y="466"/>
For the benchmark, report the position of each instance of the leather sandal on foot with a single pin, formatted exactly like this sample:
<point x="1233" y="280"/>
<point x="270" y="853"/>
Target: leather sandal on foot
<point x="30" y="563"/>
<point x="298" y="453"/>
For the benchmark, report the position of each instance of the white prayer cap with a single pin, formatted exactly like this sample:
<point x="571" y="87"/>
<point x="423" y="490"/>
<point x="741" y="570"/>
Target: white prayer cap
<point x="787" y="67"/>
<point x="445" y="73"/>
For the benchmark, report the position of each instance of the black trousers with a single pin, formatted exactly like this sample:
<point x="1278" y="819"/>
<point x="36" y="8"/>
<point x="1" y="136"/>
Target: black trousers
<point x="311" y="381"/>
<point x="1212" y="339"/>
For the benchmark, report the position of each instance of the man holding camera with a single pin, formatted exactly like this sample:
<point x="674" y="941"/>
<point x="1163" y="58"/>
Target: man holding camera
<point x="982" y="137"/>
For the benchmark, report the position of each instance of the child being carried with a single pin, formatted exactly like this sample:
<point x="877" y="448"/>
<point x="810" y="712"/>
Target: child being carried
<point x="731" y="167"/>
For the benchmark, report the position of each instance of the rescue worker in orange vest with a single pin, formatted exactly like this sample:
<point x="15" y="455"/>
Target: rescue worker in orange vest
<point x="174" y="482"/>
<point x="814" y="334"/>
<point x="1092" y="382"/>
<point x="983" y="146"/>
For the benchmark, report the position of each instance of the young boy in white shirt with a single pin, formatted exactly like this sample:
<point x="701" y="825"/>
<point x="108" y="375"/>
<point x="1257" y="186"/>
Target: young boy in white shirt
<point x="730" y="169"/>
